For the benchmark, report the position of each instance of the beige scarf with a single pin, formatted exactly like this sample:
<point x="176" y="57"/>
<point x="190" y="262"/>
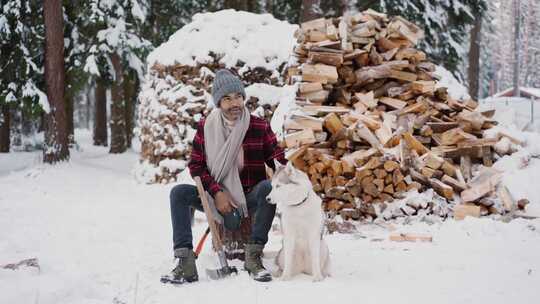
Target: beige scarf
<point x="222" y="146"/>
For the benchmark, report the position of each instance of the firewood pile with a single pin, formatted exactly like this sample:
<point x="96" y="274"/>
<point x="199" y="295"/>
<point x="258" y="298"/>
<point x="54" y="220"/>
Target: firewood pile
<point x="173" y="100"/>
<point x="373" y="124"/>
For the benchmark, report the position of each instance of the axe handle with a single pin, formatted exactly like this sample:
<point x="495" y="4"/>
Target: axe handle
<point x="200" y="244"/>
<point x="216" y="240"/>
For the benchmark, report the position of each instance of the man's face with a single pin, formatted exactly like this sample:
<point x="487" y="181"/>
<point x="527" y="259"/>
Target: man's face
<point x="232" y="105"/>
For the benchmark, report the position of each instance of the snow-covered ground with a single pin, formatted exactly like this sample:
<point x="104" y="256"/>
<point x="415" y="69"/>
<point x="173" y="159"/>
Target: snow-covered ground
<point x="514" y="111"/>
<point x="101" y="237"/>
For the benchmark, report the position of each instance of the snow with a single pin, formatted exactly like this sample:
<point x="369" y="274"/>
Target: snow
<point x="513" y="111"/>
<point x="284" y="109"/>
<point x="269" y="94"/>
<point x="19" y="161"/>
<point x="521" y="169"/>
<point x="283" y="97"/>
<point x="101" y="237"/>
<point x="4" y="26"/>
<point x="114" y="34"/>
<point x="173" y="164"/>
<point x="455" y="89"/>
<point x="137" y="11"/>
<point x="10" y="97"/>
<point x="136" y="64"/>
<point x="458" y="7"/>
<point x="531" y="91"/>
<point x="256" y="40"/>
<point x="30" y="90"/>
<point x="91" y="65"/>
<point x="521" y="175"/>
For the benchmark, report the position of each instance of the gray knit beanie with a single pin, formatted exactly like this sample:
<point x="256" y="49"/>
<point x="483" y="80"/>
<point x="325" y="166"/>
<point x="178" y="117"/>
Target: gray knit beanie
<point x="226" y="83"/>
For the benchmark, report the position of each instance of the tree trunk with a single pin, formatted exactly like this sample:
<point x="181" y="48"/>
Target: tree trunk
<point x="16" y="123"/>
<point x="69" y="117"/>
<point x="130" y="91"/>
<point x="517" y="21"/>
<point x="252" y="6"/>
<point x="100" y="122"/>
<point x="474" y="58"/>
<point x="269" y="6"/>
<point x="118" y="125"/>
<point x="150" y="30"/>
<point x="28" y="125"/>
<point x="88" y="106"/>
<point x="240" y="5"/>
<point x="5" y="128"/>
<point x="310" y="10"/>
<point x="56" y="134"/>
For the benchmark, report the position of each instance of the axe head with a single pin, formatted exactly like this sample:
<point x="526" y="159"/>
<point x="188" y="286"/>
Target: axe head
<point x="220" y="273"/>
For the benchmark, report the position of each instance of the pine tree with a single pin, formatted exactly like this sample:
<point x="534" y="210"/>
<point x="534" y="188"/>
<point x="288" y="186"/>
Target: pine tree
<point x="285" y="10"/>
<point x="114" y="49"/>
<point x="445" y="23"/>
<point x="531" y="44"/>
<point x="100" y="116"/>
<point x="5" y="126"/>
<point x="335" y="8"/>
<point x="473" y="71"/>
<point x="487" y="58"/>
<point x="76" y="79"/>
<point x="311" y="9"/>
<point x="166" y="17"/>
<point x="516" y="44"/>
<point x="131" y="84"/>
<point x="117" y="121"/>
<point x="21" y="75"/>
<point x="498" y="66"/>
<point x="56" y="137"/>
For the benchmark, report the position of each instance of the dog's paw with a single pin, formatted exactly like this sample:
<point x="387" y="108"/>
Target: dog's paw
<point x="277" y="273"/>
<point x="326" y="273"/>
<point x="318" y="278"/>
<point x="286" y="277"/>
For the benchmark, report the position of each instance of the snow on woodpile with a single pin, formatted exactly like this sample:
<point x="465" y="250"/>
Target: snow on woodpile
<point x="456" y="90"/>
<point x="521" y="169"/>
<point x="257" y="40"/>
<point x="177" y="90"/>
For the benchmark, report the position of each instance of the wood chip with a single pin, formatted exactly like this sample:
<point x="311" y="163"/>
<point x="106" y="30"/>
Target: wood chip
<point x="410" y="237"/>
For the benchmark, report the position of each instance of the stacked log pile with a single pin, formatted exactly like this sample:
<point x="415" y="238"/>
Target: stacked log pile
<point x="173" y="100"/>
<point x="372" y="123"/>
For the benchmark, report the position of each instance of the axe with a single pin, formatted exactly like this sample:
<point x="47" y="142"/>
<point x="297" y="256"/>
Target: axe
<point x="225" y="269"/>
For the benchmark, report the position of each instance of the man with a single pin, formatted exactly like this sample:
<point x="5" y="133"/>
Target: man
<point x="229" y="153"/>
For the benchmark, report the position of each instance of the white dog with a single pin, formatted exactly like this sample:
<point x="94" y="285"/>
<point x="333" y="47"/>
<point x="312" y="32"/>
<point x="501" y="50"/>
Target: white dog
<point x="302" y="220"/>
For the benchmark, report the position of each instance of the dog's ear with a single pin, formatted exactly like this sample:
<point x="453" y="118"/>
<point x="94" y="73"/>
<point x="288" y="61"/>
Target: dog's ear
<point x="289" y="167"/>
<point x="277" y="164"/>
<point x="296" y="176"/>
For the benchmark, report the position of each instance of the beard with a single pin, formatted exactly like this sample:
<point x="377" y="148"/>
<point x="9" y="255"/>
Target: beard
<point x="233" y="112"/>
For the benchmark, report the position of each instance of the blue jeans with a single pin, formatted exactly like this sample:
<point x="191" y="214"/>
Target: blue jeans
<point x="185" y="197"/>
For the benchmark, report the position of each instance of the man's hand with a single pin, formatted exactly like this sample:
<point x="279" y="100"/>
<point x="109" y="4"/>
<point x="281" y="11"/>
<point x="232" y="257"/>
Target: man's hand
<point x="224" y="202"/>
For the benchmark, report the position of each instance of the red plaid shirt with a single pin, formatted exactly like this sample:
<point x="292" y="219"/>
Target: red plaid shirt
<point x="260" y="147"/>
